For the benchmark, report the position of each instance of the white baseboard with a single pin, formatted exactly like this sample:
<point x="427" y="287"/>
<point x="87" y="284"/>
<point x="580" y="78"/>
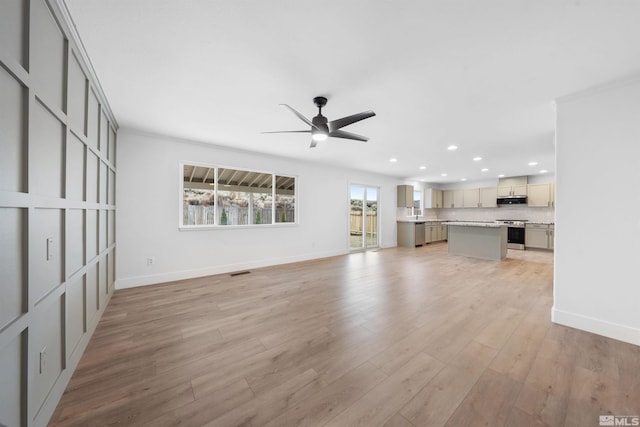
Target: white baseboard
<point x="597" y="326"/>
<point x="132" y="282"/>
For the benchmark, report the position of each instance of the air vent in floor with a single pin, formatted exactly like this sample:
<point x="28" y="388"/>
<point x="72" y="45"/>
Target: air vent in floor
<point x="239" y="273"/>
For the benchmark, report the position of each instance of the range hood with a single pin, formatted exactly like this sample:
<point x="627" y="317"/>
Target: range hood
<point x="512" y="200"/>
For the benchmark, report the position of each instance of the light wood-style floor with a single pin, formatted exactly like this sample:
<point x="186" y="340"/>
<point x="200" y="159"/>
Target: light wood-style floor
<point x="397" y="337"/>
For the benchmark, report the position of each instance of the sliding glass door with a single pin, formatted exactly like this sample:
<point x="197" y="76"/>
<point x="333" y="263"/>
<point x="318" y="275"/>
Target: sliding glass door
<point x="363" y="217"/>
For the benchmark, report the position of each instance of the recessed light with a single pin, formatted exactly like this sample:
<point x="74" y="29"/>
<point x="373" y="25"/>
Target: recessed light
<point x="393" y="160"/>
<point x="423" y="180"/>
<point x="477" y="159"/>
<point x="533" y="163"/>
<point x="452" y="147"/>
<point x="501" y="175"/>
<point x="544" y="171"/>
<point x="443" y="174"/>
<point x="463" y="179"/>
<point x="423" y="167"/>
<point x="484" y="170"/>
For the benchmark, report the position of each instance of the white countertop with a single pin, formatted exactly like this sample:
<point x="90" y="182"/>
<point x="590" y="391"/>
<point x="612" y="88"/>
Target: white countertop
<point x="420" y="220"/>
<point x="475" y="224"/>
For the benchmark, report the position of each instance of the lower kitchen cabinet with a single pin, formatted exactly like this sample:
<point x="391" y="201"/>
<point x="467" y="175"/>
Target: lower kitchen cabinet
<point x="408" y="233"/>
<point x="427" y="233"/>
<point x="411" y="234"/>
<point x="436" y="232"/>
<point x="539" y="236"/>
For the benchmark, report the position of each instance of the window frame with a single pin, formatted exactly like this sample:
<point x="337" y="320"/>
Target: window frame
<point x="217" y="225"/>
<point x="421" y="207"/>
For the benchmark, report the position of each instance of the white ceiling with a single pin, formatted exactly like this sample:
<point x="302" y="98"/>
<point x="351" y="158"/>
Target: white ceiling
<point x="478" y="74"/>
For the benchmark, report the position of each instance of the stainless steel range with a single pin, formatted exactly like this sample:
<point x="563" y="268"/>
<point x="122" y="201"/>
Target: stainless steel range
<point x="515" y="232"/>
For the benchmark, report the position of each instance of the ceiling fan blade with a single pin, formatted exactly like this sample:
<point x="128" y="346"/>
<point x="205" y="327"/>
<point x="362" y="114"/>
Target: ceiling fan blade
<point x="313" y="143"/>
<point x="348" y="135"/>
<point x="288" y="131"/>
<point x="345" y="121"/>
<point x="300" y="116"/>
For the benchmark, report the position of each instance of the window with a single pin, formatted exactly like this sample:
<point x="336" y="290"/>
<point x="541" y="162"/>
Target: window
<point x="198" y="196"/>
<point x="417" y="203"/>
<point x="285" y="199"/>
<point x="218" y="196"/>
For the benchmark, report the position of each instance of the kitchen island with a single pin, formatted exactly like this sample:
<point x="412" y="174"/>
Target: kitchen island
<point x="486" y="240"/>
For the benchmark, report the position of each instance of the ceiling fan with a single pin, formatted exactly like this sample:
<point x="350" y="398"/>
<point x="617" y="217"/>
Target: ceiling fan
<point x="321" y="128"/>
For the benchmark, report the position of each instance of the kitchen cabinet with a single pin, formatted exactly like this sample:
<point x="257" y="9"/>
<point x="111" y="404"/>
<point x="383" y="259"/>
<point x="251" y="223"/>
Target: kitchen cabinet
<point x="452" y="198"/>
<point x="436" y="233"/>
<point x="538" y="236"/>
<point x="488" y="196"/>
<point x="444" y="232"/>
<point x="428" y="238"/>
<point x="436" y="198"/>
<point x="411" y="234"/>
<point x="405" y="196"/>
<point x="512" y="190"/>
<point x="540" y="195"/>
<point x="471" y="198"/>
<point x="513" y="186"/>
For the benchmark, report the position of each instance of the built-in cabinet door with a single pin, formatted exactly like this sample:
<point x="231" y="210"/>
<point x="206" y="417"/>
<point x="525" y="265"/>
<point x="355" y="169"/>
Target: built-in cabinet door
<point x="427" y="233"/>
<point x="471" y="198"/>
<point x="519" y="190"/>
<point x="405" y="196"/>
<point x="551" y="237"/>
<point x="512" y="190"/>
<point x="488" y="197"/>
<point x="444" y="232"/>
<point x="458" y="198"/>
<point x="539" y="195"/>
<point x="436" y="198"/>
<point x="536" y="238"/>
<point x="447" y="198"/>
<point x="435" y="233"/>
<point x="504" y="191"/>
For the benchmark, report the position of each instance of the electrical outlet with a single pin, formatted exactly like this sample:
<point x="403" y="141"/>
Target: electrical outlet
<point x="43" y="359"/>
<point x="49" y="248"/>
<point x="151" y="261"/>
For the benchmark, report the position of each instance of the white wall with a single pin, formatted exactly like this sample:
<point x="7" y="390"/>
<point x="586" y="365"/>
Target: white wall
<point x="148" y="185"/>
<point x="597" y="255"/>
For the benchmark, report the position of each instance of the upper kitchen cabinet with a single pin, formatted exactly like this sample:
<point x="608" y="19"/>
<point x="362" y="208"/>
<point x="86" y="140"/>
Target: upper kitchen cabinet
<point x="405" y="196"/>
<point x="453" y="198"/>
<point x="540" y="195"/>
<point x="514" y="186"/>
<point x="488" y="197"/>
<point x="436" y="198"/>
<point x="471" y="198"/>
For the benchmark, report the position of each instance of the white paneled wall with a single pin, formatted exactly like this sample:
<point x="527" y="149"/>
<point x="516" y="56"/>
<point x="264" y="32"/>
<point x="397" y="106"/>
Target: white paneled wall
<point x="57" y="208"/>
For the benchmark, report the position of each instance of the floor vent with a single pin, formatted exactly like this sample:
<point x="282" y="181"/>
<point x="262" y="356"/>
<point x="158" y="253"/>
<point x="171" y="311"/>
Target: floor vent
<point x="239" y="273"/>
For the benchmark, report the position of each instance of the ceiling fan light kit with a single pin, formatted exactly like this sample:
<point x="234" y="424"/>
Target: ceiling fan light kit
<point x="321" y="128"/>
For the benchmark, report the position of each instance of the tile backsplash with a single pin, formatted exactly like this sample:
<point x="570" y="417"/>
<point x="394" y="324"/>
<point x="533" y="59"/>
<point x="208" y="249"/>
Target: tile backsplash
<point x="487" y="214"/>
